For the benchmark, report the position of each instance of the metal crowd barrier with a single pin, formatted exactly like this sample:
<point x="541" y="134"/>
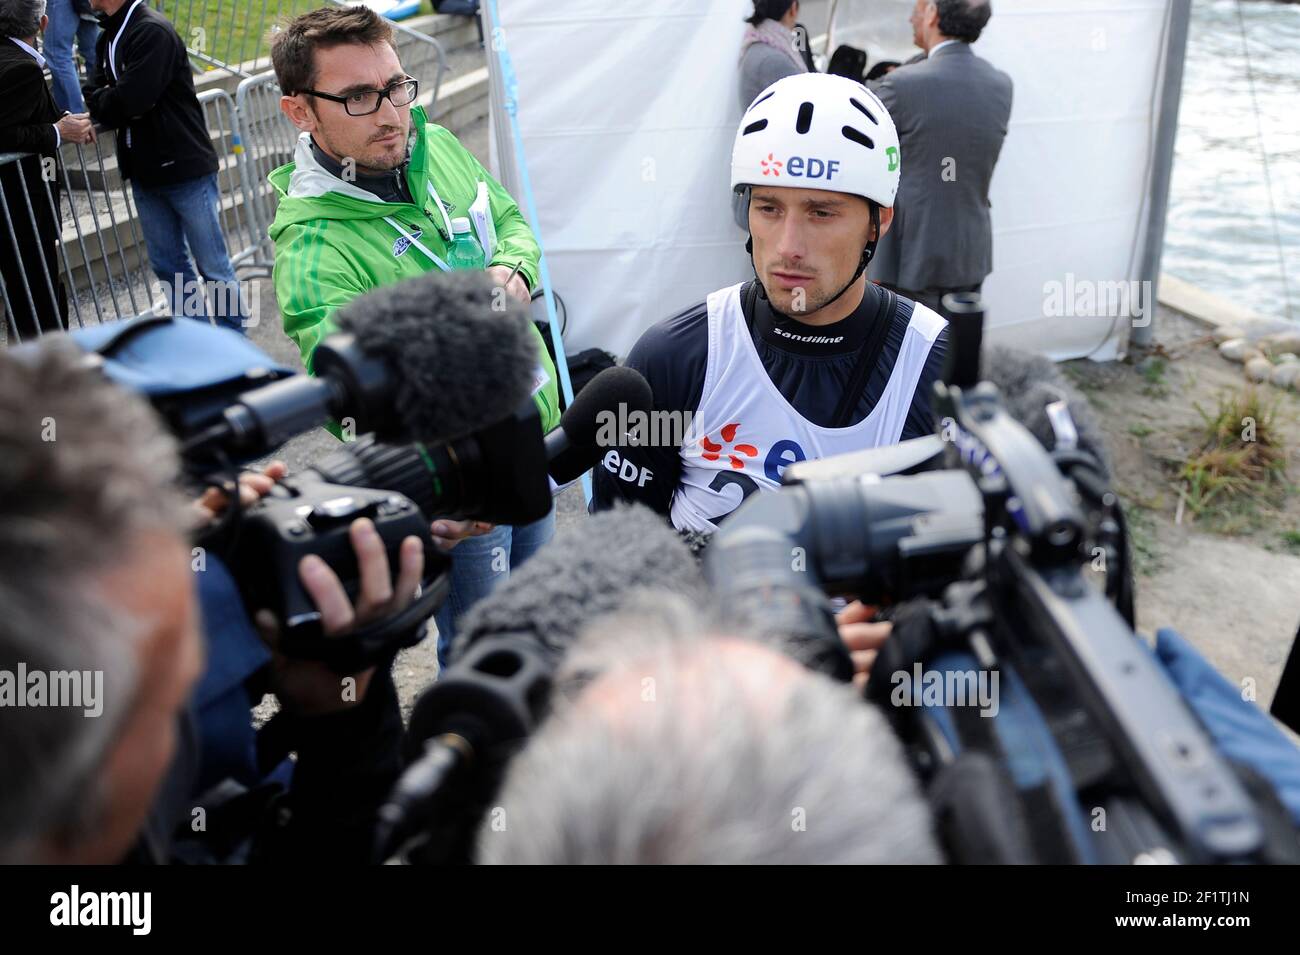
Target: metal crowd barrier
<point x="244" y="230"/>
<point x="98" y="268"/>
<point x="268" y="142"/>
<point x="230" y="34"/>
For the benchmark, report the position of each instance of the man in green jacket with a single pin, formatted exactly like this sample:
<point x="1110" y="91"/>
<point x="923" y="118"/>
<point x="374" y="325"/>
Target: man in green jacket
<point x="369" y="200"/>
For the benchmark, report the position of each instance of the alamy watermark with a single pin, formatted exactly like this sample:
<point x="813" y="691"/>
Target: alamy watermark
<point x="642" y="429"/>
<point x="75" y="688"/>
<point x="1086" y="298"/>
<point x="133" y="910"/>
<point x="232" y="303"/>
<point x="921" y="687"/>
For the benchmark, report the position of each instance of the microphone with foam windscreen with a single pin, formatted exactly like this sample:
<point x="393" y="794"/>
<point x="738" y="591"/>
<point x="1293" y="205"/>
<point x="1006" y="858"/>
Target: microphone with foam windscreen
<point x="499" y="473"/>
<point x="430" y="359"/>
<point x="464" y="727"/>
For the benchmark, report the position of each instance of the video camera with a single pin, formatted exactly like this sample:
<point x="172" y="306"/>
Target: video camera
<point x="497" y="474"/>
<point x="989" y="544"/>
<point x="424" y="452"/>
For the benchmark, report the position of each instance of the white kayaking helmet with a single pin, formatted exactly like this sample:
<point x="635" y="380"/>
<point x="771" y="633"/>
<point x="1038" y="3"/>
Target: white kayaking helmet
<point x="820" y="131"/>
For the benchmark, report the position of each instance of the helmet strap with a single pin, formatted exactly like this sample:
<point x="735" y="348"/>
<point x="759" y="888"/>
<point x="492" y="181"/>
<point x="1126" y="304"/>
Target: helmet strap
<point x="867" y="254"/>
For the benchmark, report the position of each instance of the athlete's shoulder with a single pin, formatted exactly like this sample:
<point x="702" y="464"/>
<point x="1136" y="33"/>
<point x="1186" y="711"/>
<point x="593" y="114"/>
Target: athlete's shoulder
<point x="673" y="355"/>
<point x="926" y="322"/>
<point x="683" y="333"/>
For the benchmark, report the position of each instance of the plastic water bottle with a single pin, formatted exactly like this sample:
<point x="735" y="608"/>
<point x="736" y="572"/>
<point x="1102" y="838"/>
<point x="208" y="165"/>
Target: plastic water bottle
<point x="465" y="252"/>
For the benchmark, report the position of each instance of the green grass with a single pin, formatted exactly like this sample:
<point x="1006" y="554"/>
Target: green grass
<point x="1142" y="538"/>
<point x="1290" y="541"/>
<point x="234" y="31"/>
<point x="1235" y="466"/>
<point x="1153" y="373"/>
<point x="1140" y="430"/>
<point x="1081" y="379"/>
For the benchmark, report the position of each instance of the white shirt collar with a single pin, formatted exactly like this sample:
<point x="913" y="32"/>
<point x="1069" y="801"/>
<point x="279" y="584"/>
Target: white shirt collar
<point x="939" y="46"/>
<point x="40" y="60"/>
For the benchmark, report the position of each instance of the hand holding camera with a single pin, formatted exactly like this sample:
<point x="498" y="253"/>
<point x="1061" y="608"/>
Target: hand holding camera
<point x="310" y="687"/>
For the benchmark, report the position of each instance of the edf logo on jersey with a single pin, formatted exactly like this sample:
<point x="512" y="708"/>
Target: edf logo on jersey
<point x="801" y="167"/>
<point x="781" y="455"/>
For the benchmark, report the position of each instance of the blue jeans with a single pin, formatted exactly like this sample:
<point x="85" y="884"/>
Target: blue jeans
<point x="64" y="26"/>
<point x="478" y="564"/>
<point x="173" y="217"/>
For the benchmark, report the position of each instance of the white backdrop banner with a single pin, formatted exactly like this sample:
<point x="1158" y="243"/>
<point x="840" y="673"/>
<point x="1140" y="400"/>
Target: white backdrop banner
<point x="627" y="113"/>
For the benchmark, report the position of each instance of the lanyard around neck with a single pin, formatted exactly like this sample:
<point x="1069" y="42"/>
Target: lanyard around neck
<point x="432" y="256"/>
<point x="446" y="219"/>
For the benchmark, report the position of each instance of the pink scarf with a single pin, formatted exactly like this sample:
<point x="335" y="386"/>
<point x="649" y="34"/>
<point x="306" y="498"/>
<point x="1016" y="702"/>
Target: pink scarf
<point x="771" y="33"/>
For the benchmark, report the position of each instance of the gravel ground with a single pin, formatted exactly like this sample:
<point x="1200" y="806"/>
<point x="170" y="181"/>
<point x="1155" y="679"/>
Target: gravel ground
<point x="1229" y="582"/>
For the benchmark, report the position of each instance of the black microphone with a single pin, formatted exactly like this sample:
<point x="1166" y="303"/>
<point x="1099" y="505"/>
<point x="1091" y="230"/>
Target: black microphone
<point x="498" y="474"/>
<point x="428" y="359"/>
<point x="615" y="395"/>
<point x="1033" y="389"/>
<point x="509" y="645"/>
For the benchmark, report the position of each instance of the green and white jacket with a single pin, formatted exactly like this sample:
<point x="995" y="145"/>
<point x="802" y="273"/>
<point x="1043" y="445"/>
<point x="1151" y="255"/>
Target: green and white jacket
<point x="334" y="240"/>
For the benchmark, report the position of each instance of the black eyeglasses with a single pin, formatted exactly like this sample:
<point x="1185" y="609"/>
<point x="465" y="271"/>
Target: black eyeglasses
<point x="365" y="102"/>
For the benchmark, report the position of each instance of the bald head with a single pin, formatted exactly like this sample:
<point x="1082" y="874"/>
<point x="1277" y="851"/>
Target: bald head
<point x="675" y="743"/>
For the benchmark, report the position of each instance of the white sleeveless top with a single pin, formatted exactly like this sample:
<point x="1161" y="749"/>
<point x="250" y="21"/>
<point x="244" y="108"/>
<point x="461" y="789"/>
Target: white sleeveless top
<point x="745" y="432"/>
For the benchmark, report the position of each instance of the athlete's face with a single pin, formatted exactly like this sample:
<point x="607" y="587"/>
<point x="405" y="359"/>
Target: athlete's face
<point x="807" y="245"/>
<point x="376" y="142"/>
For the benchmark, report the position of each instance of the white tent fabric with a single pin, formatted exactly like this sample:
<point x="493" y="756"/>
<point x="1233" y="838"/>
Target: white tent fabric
<point x="627" y="114"/>
<point x="1069" y="193"/>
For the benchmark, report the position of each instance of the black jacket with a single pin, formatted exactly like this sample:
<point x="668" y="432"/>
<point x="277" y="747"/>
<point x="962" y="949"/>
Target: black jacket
<point x="162" y="138"/>
<point x="29" y="263"/>
<point x="27" y="110"/>
<point x="346" y="766"/>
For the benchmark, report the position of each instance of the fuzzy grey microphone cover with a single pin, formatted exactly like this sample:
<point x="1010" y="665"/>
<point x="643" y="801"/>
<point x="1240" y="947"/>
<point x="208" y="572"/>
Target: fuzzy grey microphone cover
<point x="463" y="351"/>
<point x="590" y="569"/>
<point x="1029" y="383"/>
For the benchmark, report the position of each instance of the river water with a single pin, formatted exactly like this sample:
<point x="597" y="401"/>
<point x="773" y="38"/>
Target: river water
<point x="1221" y="233"/>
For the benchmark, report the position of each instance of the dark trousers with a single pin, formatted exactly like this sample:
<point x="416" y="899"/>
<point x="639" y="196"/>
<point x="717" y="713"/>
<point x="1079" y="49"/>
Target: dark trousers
<point x="29" y="256"/>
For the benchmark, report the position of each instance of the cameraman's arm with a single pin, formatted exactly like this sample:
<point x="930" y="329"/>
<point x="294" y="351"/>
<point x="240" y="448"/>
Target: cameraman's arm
<point x="347" y="731"/>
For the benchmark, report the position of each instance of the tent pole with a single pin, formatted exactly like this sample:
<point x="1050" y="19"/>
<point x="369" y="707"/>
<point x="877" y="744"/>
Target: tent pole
<point x="830" y="29"/>
<point x="503" y="74"/>
<point x="1171" y="90"/>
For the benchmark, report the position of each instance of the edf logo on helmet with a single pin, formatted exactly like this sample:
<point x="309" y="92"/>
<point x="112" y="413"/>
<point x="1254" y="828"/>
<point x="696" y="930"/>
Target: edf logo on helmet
<point x="819" y="131"/>
<point x="801" y="167"/>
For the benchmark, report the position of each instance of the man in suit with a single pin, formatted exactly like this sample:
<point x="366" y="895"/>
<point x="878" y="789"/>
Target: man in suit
<point x="30" y="123"/>
<point x="952" y="109"/>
